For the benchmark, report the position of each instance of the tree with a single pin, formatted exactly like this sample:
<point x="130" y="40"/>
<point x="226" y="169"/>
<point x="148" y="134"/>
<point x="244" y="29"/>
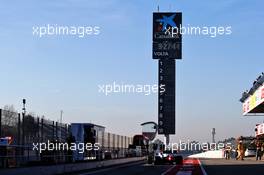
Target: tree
<point x="9" y="116"/>
<point x="9" y="121"/>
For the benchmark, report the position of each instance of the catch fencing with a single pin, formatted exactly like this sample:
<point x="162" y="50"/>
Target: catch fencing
<point x="24" y="130"/>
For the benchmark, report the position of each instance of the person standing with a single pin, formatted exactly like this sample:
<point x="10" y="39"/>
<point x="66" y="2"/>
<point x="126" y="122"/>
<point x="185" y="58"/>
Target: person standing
<point x="227" y="152"/>
<point x="240" y="148"/>
<point x="258" y="152"/>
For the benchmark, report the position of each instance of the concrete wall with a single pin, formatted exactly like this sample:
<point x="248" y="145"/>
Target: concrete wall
<point x="66" y="168"/>
<point x="209" y="154"/>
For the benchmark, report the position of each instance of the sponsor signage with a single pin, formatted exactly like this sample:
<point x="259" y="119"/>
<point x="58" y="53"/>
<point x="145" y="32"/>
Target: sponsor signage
<point x="166" y="99"/>
<point x="254" y="101"/>
<point x="167" y="40"/>
<point x="259" y="129"/>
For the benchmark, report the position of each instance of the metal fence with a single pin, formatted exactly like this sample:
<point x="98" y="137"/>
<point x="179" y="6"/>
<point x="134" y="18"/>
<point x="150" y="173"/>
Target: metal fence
<point x="24" y="130"/>
<point x="28" y="129"/>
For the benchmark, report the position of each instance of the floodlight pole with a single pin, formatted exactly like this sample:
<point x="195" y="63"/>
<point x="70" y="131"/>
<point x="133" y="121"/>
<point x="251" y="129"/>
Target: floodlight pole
<point x="213" y="135"/>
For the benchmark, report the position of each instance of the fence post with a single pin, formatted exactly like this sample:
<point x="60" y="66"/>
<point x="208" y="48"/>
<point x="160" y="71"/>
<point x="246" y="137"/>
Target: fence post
<point x="0" y="122"/>
<point x="38" y="138"/>
<point x="18" y="149"/>
<point x="18" y="130"/>
<point x="66" y="129"/>
<point x="23" y="136"/>
<point x="38" y="130"/>
<point x="53" y="130"/>
<point x="56" y="130"/>
<point x="42" y="121"/>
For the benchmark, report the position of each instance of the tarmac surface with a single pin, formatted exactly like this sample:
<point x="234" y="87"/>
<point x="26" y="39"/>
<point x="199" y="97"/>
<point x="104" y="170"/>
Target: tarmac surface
<point x="191" y="166"/>
<point x="249" y="166"/>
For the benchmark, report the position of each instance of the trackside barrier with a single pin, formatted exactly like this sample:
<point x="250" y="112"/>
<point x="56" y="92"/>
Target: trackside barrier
<point x="67" y="168"/>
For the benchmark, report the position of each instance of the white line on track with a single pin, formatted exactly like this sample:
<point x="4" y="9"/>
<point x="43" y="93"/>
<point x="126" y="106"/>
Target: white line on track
<point x="202" y="168"/>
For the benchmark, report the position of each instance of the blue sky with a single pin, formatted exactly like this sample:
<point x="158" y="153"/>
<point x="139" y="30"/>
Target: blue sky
<point x="63" y="73"/>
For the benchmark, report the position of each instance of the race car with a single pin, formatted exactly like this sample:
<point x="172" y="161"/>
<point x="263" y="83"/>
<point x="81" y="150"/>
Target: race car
<point x="168" y="156"/>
